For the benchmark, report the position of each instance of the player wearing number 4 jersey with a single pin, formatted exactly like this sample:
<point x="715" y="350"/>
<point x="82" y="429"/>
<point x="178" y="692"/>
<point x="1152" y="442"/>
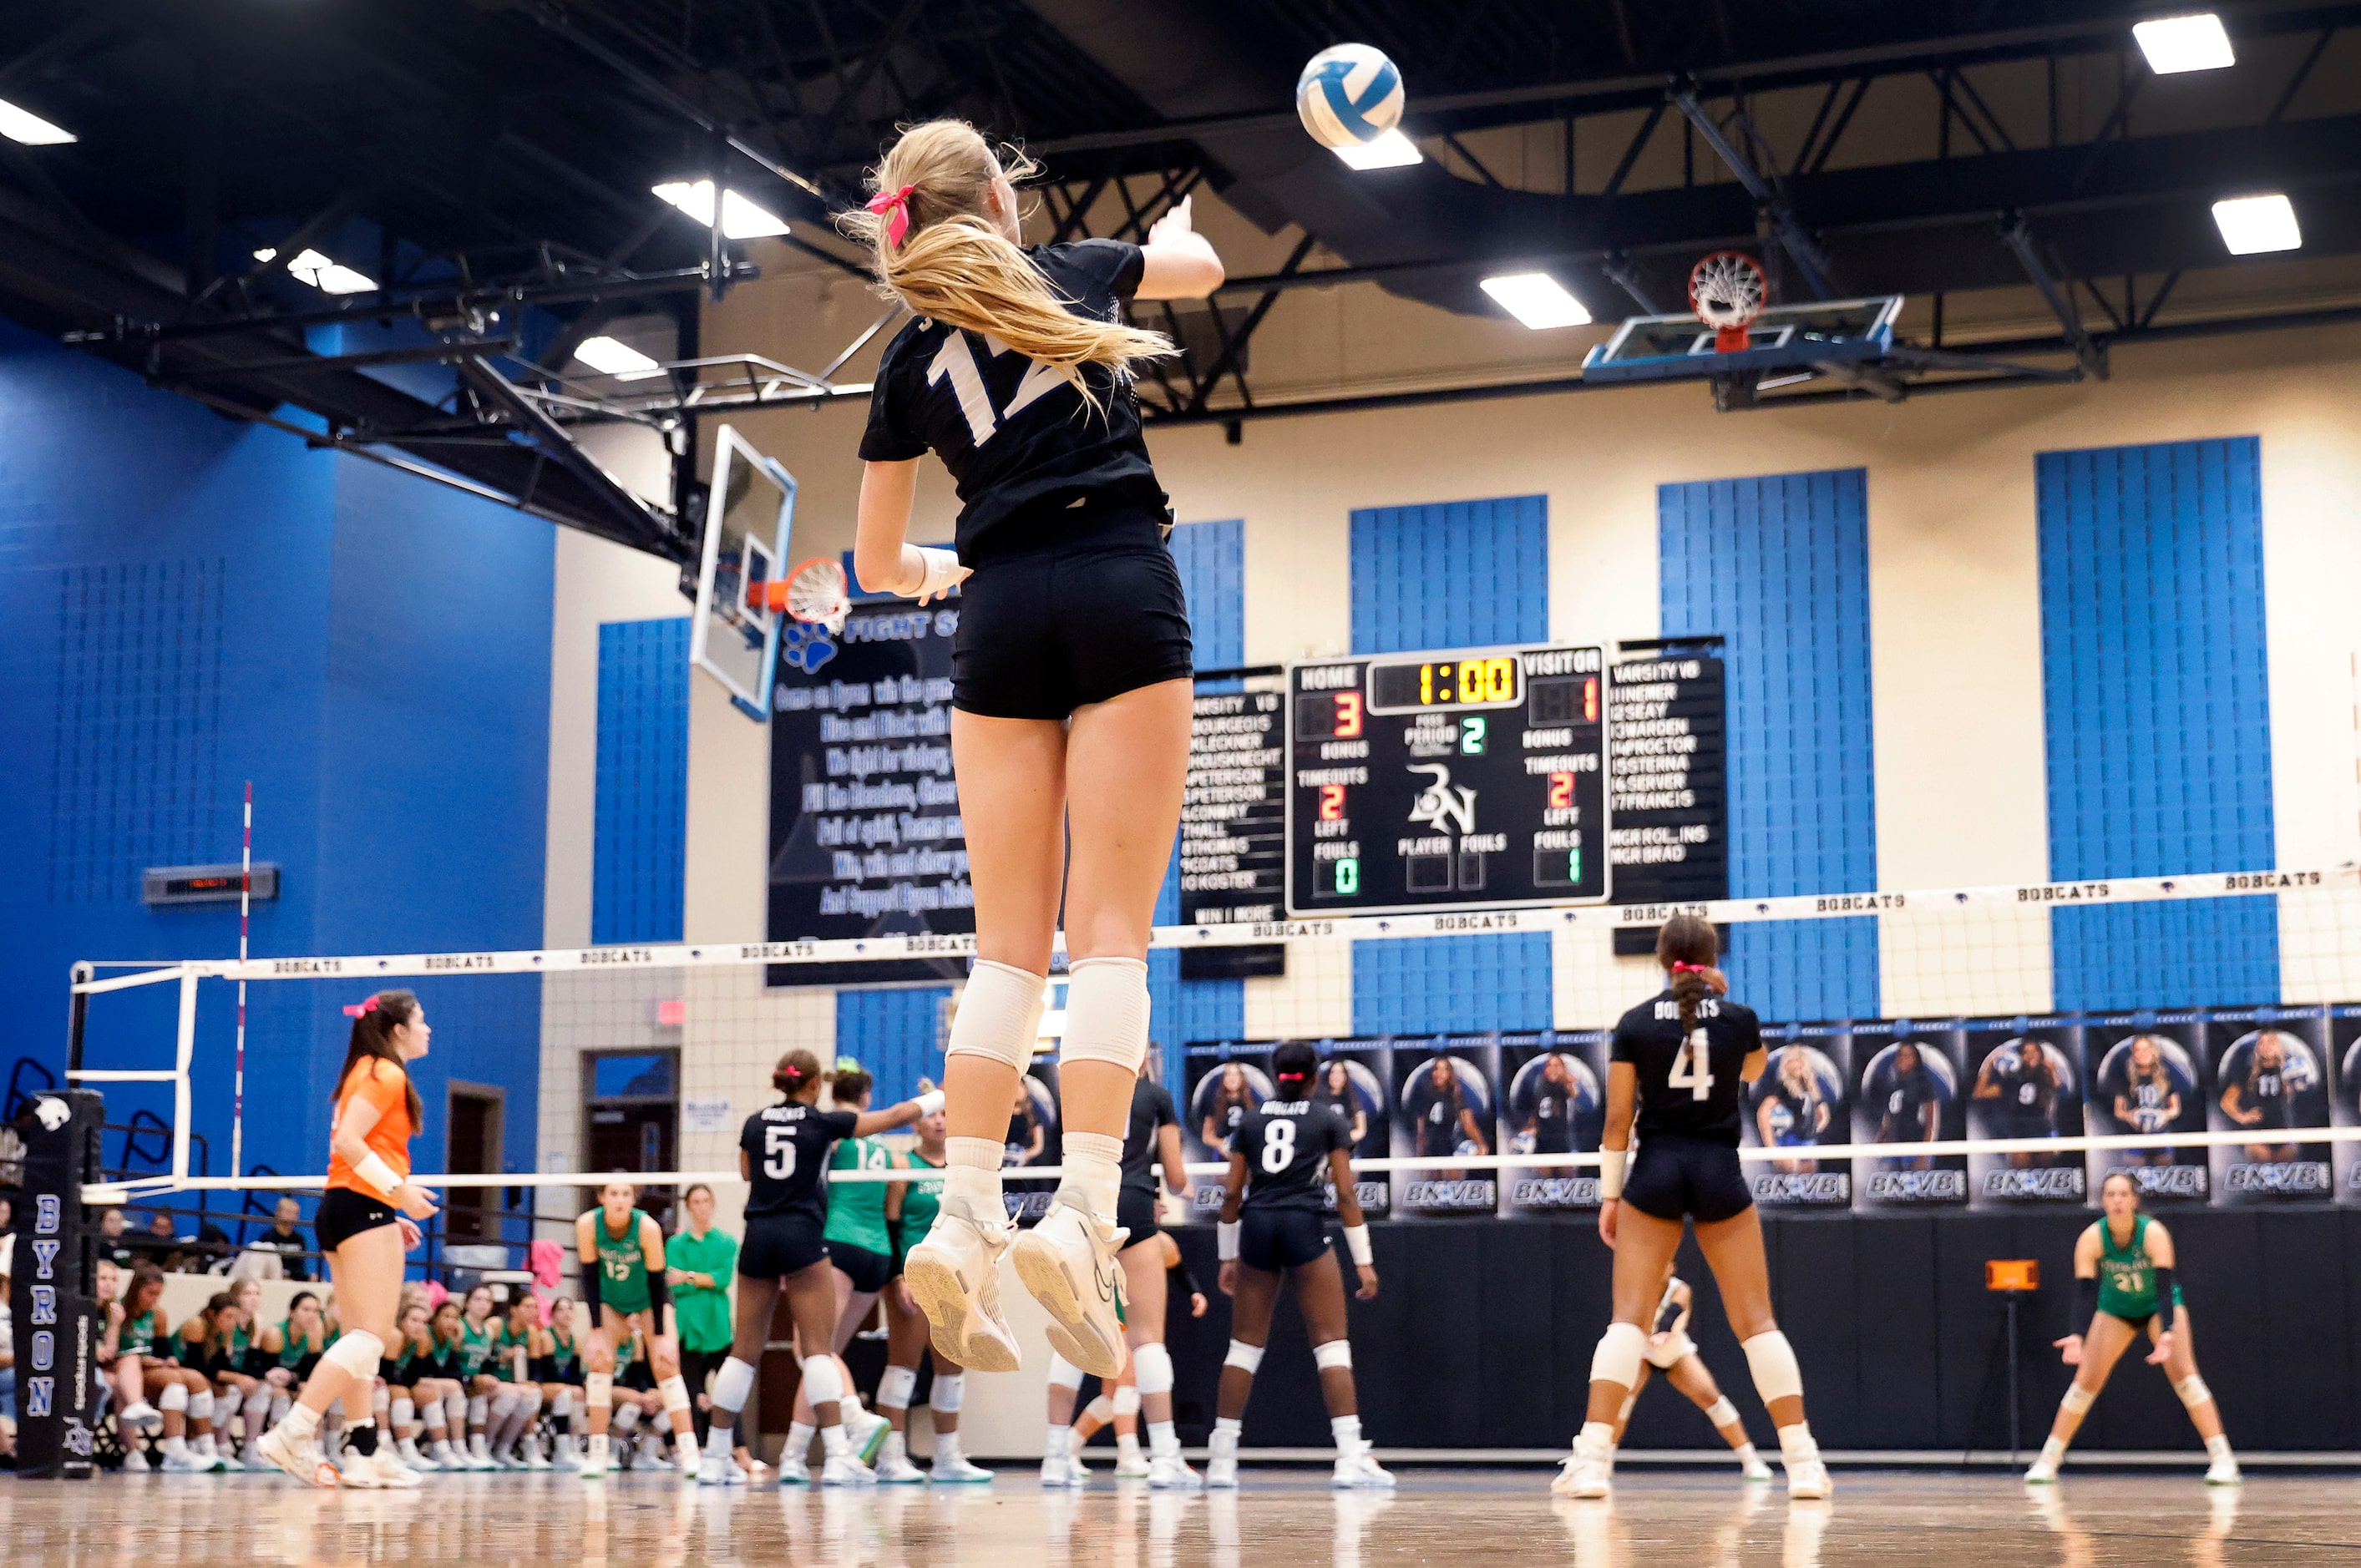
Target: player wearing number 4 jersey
<point x="1071" y="691"/>
<point x="1676" y="1066"/>
<point x="1270" y="1222"/>
<point x="783" y="1153"/>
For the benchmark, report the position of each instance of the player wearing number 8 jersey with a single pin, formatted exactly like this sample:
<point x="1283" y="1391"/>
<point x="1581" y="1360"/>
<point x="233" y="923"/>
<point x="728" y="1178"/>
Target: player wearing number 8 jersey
<point x="1271" y="1221"/>
<point x="1675" y="1075"/>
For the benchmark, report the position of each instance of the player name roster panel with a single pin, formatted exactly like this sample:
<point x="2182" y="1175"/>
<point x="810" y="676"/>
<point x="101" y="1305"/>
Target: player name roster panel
<point x="1424" y="781"/>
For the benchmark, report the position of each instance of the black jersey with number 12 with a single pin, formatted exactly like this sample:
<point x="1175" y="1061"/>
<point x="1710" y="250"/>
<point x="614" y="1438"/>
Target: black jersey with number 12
<point x="786" y="1149"/>
<point x="1678" y="1094"/>
<point x="1286" y="1144"/>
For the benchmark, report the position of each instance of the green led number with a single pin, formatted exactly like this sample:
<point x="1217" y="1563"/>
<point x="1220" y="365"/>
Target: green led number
<point x="1574" y="865"/>
<point x="1471" y="737"/>
<point x="1348" y="878"/>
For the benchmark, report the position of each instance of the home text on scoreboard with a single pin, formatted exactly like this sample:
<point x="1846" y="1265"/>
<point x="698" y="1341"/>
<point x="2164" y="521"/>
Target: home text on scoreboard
<point x="1425" y="781"/>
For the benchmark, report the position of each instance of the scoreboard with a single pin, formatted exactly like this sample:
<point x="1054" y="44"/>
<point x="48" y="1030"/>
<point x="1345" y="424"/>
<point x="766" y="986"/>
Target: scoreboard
<point x="1424" y="781"/>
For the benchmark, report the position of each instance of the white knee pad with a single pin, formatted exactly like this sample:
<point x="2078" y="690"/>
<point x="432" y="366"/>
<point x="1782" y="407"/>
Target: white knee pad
<point x="1154" y="1368"/>
<point x="1333" y="1354"/>
<point x="431" y="1413"/>
<point x="822" y="1383"/>
<point x="402" y="1411"/>
<point x="228" y="1405"/>
<point x="380" y="1401"/>
<point x="175" y="1397"/>
<point x="2078" y="1400"/>
<point x="1245" y="1356"/>
<point x="999" y="1013"/>
<point x="1106" y="1012"/>
<point x="1772" y="1361"/>
<point x="1126" y="1400"/>
<point x="896" y="1385"/>
<point x="944" y="1398"/>
<point x="2192" y="1390"/>
<point x="599" y="1391"/>
<point x="200" y="1405"/>
<point x="1722" y="1413"/>
<point x="1101" y="1410"/>
<point x="562" y="1406"/>
<point x="279" y="1405"/>
<point x="1063" y="1374"/>
<point x="455" y="1405"/>
<point x="529" y="1399"/>
<point x="1620" y="1351"/>
<point x="479" y="1406"/>
<point x="358" y="1352"/>
<point x="627" y="1416"/>
<point x="732" y="1384"/>
<point x="673" y="1391"/>
<point x="503" y="1405"/>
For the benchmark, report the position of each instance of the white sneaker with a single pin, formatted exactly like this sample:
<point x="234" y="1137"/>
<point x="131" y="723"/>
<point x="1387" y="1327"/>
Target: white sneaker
<point x="954" y="1276"/>
<point x="794" y="1471"/>
<point x="843" y="1469"/>
<point x="250" y="1457"/>
<point x="1758" y="1469"/>
<point x="2224" y="1472"/>
<point x="407" y="1452"/>
<point x="143" y="1415"/>
<point x="954" y="1469"/>
<point x="865" y="1430"/>
<point x="2041" y="1474"/>
<point x="1583" y="1474"/>
<point x="1057" y="1472"/>
<point x="228" y="1459"/>
<point x="1170" y="1472"/>
<point x="1131" y="1464"/>
<point x="721" y="1472"/>
<point x="390" y="1471"/>
<point x="1358" y="1469"/>
<point x="134" y="1462"/>
<point x="1222" y="1467"/>
<point x="359" y="1474"/>
<point x="688" y="1459"/>
<point x="1807" y="1480"/>
<point x="1068" y="1264"/>
<point x="649" y="1452"/>
<point x="186" y="1462"/>
<point x="304" y="1461"/>
<point x="534" y="1458"/>
<point x="594" y="1459"/>
<point x="443" y="1457"/>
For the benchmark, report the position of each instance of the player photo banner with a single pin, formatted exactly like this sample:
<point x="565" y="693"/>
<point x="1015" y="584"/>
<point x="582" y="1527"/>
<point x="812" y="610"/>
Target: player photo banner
<point x="1354" y="1076"/>
<point x="2272" y="1072"/>
<point x="2344" y="1096"/>
<point x="1227" y="1078"/>
<point x="1912" y="1089"/>
<point x="2025" y="1081"/>
<point x="1554" y="1100"/>
<point x="2149" y="1074"/>
<point x="1446" y="1103"/>
<point x="1803" y="1099"/>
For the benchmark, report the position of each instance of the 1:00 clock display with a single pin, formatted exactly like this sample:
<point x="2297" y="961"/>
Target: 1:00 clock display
<point x="1415" y="685"/>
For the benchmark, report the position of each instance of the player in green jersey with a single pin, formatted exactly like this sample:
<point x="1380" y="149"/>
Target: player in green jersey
<point x="2124" y="1286"/>
<point x="623" y="1254"/>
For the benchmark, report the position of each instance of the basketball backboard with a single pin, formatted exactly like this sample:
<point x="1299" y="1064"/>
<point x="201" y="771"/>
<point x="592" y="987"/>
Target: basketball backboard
<point x="1676" y="348"/>
<point x="734" y="635"/>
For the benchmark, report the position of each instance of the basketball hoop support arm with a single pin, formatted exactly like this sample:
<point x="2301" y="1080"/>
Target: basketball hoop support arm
<point x="2091" y="353"/>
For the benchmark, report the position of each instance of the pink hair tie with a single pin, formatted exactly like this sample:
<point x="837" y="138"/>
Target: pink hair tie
<point x="369" y="1006"/>
<point x="898" y="203"/>
<point x="1680" y="968"/>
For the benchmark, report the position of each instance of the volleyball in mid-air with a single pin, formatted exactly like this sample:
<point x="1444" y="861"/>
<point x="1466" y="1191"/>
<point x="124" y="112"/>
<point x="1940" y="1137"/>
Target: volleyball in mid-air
<point x="1348" y="94"/>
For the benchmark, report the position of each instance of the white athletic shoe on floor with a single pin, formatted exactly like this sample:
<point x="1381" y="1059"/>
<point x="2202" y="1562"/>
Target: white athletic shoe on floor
<point x="844" y="1469"/>
<point x="955" y="1469"/>
<point x="186" y="1462"/>
<point x="1759" y="1470"/>
<point x="227" y="1459"/>
<point x="356" y="1474"/>
<point x="143" y="1415"/>
<point x="302" y="1461"/>
<point x="2041" y="1472"/>
<point x="1807" y="1480"/>
<point x="2224" y="1472"/>
<point x="954" y="1276"/>
<point x="252" y="1459"/>
<point x="1356" y="1469"/>
<point x="534" y="1458"/>
<point x="407" y="1452"/>
<point x="894" y="1467"/>
<point x="1132" y="1465"/>
<point x="865" y="1430"/>
<point x="1583" y="1474"/>
<point x="1170" y="1472"/>
<point x="690" y="1458"/>
<point x="1058" y="1473"/>
<point x="1222" y="1464"/>
<point x="1067" y="1264"/>
<point x="594" y="1459"/>
<point x="134" y="1462"/>
<point x="390" y="1472"/>
<point x="793" y="1470"/>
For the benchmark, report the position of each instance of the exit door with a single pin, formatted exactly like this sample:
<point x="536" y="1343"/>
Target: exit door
<point x="632" y="1111"/>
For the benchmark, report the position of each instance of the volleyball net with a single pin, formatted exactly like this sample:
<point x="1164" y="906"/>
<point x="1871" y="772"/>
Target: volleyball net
<point x="1950" y="1045"/>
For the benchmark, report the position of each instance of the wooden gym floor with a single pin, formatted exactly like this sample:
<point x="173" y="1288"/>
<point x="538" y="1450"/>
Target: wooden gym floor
<point x="1283" y="1519"/>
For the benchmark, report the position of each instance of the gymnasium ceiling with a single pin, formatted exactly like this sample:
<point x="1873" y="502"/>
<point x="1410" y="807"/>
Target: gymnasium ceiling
<point x="471" y="158"/>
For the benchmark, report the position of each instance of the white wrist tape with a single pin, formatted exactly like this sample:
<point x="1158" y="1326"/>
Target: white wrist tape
<point x="929" y="1102"/>
<point x="376" y="1175"/>
<point x="1357" y="1242"/>
<point x="1225" y="1240"/>
<point x="942" y="570"/>
<point x="1611" y="1173"/>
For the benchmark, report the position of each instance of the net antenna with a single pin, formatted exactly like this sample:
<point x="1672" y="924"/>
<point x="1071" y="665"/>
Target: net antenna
<point x="816" y="594"/>
<point x="1728" y="289"/>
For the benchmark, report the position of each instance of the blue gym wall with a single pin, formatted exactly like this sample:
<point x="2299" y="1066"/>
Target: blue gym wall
<point x="639" y="837"/>
<point x="187" y="603"/>
<point x="1779" y="566"/>
<point x="1461" y="574"/>
<point x="2156" y="691"/>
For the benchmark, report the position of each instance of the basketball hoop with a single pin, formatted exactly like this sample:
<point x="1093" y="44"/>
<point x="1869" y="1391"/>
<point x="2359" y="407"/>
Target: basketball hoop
<point x="1727" y="290"/>
<point x="815" y="594"/>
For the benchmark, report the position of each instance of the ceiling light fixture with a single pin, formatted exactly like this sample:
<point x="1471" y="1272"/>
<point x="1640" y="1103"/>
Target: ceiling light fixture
<point x="1392" y="150"/>
<point x="2174" y="44"/>
<point x="620" y="360"/>
<point x="327" y="275"/>
<point x="1538" y="300"/>
<point x="740" y="218"/>
<point x="2252" y="225"/>
<point x="24" y="125"/>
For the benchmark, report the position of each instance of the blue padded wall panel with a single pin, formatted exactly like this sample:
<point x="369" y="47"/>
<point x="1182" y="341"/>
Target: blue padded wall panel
<point x="1213" y="560"/>
<point x="1459" y="574"/>
<point x="2155" y="692"/>
<point x="641" y="853"/>
<point x="1779" y="566"/>
<point x="892" y="1031"/>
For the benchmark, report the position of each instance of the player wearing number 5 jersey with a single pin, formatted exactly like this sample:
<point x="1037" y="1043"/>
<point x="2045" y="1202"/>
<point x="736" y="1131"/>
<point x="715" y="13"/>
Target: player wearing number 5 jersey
<point x="1675" y="1075"/>
<point x="783" y="1153"/>
<point x="1270" y="1222"/>
<point x="1071" y="691"/>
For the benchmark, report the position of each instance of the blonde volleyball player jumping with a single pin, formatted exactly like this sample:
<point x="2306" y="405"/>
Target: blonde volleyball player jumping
<point x="1070" y="688"/>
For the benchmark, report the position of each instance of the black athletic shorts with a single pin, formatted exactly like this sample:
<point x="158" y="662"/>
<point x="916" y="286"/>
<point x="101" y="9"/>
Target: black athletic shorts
<point x="779" y="1245"/>
<point x="345" y="1213"/>
<point x="1071" y="612"/>
<point x="868" y="1270"/>
<point x="1135" y="1210"/>
<point x="1699" y="1178"/>
<point x="1276" y="1239"/>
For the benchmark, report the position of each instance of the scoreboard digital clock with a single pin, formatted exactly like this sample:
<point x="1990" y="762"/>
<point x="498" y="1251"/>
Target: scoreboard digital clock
<point x="1471" y="778"/>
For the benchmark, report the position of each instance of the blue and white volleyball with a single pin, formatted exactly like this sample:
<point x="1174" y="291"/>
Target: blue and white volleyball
<point x="1348" y="95"/>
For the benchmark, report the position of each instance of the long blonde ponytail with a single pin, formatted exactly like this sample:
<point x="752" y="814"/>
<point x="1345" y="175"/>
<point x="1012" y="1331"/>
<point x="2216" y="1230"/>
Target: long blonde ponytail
<point x="954" y="266"/>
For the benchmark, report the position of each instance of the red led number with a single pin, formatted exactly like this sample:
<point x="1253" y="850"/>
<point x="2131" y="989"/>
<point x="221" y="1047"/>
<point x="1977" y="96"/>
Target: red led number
<point x="1349" y="714"/>
<point x="1332" y="802"/>
<point x="1561" y="789"/>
